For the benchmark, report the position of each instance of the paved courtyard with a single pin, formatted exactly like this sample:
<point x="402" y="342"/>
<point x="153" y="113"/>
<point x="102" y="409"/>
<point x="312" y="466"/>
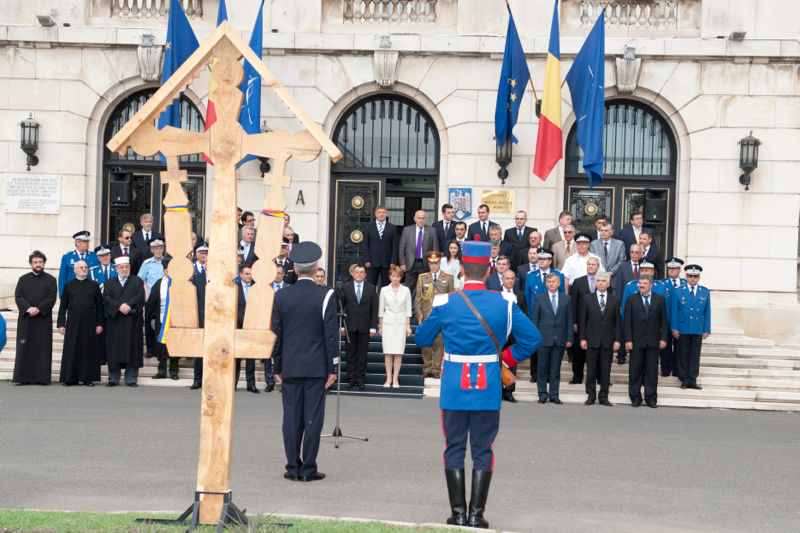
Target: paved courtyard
<point x="568" y="468"/>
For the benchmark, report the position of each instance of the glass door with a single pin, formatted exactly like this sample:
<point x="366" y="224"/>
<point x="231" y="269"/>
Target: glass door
<point x="354" y="207"/>
<point x="128" y="196"/>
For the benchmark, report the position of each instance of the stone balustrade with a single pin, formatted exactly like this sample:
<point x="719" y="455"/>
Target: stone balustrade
<point x="149" y="9"/>
<point x="656" y="14"/>
<point x="399" y="11"/>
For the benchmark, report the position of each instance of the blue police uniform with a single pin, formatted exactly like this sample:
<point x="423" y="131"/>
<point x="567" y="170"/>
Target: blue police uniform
<point x="2" y="333"/>
<point x="669" y="354"/>
<point x="632" y="288"/>
<point x="66" y="271"/>
<point x="691" y="318"/>
<point x="151" y="271"/>
<point x="102" y="274"/>
<point x="534" y="286"/>
<point x="470" y="395"/>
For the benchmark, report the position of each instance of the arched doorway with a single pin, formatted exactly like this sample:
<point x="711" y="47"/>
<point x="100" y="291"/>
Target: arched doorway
<point x="132" y="183"/>
<point x="391" y="157"/>
<point x="640" y="161"/>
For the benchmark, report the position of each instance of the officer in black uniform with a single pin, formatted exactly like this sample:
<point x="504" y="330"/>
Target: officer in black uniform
<point x="305" y="323"/>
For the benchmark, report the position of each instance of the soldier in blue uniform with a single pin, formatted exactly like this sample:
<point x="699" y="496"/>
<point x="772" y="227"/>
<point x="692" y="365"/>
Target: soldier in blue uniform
<point x="306" y="350"/>
<point x="475" y="324"/>
<point x="105" y="269"/>
<point x="690" y="321"/>
<point x="669" y="366"/>
<point x="632" y="287"/>
<point x="66" y="272"/>
<point x="536" y="284"/>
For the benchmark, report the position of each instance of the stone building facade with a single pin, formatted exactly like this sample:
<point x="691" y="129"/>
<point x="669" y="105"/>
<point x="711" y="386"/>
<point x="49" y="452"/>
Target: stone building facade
<point x="698" y="76"/>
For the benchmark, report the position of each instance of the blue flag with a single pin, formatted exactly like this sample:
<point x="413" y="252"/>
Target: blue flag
<point x="514" y="77"/>
<point x="222" y="12"/>
<point x="586" y="81"/>
<point x="250" y="115"/>
<point x="181" y="43"/>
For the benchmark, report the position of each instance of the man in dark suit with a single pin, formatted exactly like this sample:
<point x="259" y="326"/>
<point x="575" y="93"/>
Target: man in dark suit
<point x="511" y="293"/>
<point x="124" y="248"/>
<point x="283" y="261"/>
<point x="360" y="303"/>
<point x="628" y="270"/>
<point x="629" y="234"/>
<point x="248" y="246"/>
<point x="580" y="289"/>
<point x="479" y="230"/>
<point x="554" y="235"/>
<point x="521" y="254"/>
<point x="143" y="236"/>
<point x="243" y="285"/>
<point x="530" y="264"/>
<point x="307" y="330"/>
<point x="446" y="228"/>
<point x="415" y="242"/>
<point x="517" y="237"/>
<point x="645" y="327"/>
<point x="200" y="280"/>
<point x="379" y="248"/>
<point x="553" y="318"/>
<point x="495" y="280"/>
<point x="599" y="332"/>
<point x="651" y="253"/>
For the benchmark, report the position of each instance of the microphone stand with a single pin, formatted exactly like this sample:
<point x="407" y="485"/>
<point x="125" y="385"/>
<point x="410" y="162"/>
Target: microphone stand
<point x="337" y="434"/>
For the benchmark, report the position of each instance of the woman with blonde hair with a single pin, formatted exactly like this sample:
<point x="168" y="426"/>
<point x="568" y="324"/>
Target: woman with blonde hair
<point x="394" y="315"/>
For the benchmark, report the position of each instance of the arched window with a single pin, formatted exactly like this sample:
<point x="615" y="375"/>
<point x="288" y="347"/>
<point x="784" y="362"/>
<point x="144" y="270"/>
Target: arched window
<point x="191" y="119"/>
<point x="387" y="132"/>
<point x="636" y="142"/>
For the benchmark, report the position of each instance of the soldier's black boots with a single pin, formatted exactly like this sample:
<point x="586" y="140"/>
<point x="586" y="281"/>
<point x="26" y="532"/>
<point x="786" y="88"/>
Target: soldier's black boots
<point x="458" y="501"/>
<point x="481" y="479"/>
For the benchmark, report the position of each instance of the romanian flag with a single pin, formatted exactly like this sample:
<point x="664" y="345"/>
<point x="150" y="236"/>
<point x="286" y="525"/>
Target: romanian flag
<point x="211" y="112"/>
<point x="549" y="144"/>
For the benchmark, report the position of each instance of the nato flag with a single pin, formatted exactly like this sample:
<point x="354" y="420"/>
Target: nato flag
<point x="250" y="114"/>
<point x="586" y="81"/>
<point x="514" y="77"/>
<point x="181" y="43"/>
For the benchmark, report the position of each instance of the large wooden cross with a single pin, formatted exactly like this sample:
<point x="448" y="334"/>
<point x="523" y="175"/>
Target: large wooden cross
<point x="226" y="143"/>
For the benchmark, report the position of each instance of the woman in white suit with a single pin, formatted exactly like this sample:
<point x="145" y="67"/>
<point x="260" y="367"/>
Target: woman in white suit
<point x="394" y="313"/>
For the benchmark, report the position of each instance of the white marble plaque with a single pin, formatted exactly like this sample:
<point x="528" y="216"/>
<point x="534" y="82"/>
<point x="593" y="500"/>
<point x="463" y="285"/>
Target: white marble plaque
<point x="33" y="193"/>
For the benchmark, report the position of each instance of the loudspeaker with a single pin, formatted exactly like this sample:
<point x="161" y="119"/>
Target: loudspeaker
<point x="119" y="188"/>
<point x="655" y="206"/>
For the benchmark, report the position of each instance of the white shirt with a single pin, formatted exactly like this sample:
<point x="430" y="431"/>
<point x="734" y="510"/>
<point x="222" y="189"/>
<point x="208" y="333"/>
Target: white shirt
<point x="452" y="267"/>
<point x="605" y="297"/>
<point x="245" y="248"/>
<point x="575" y="266"/>
<point x="508" y="295"/>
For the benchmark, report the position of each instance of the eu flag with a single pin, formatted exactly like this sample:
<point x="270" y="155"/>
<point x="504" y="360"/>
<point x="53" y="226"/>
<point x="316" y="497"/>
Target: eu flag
<point x="514" y="77"/>
<point x="181" y="43"/>
<point x="250" y="115"/>
<point x="222" y="12"/>
<point x="586" y="80"/>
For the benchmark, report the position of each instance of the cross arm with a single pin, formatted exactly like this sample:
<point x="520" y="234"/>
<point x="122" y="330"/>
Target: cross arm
<point x="249" y="343"/>
<point x="170" y="141"/>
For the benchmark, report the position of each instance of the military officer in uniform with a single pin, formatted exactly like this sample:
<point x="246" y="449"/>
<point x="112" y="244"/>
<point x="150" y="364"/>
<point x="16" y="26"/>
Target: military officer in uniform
<point x="105" y="270"/>
<point x="690" y="321"/>
<point x="429" y="284"/>
<point x="669" y="355"/>
<point x="66" y="272"/>
<point x="475" y="324"/>
<point x="306" y="354"/>
<point x="632" y="287"/>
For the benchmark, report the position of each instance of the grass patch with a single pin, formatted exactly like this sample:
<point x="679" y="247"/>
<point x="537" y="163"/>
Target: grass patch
<point x="13" y="521"/>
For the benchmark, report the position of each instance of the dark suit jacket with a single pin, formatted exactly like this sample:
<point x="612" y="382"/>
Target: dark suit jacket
<point x="522" y="273"/>
<point x="510" y="237"/>
<point x="493" y="282"/>
<point x="645" y="329"/>
<point x="307" y="329"/>
<point x="361" y="317"/>
<point x="521" y="257"/>
<point x="444" y="238"/>
<point x="578" y="291"/>
<point x="251" y="256"/>
<point x="241" y="304"/>
<point x="622" y="276"/>
<point x="556" y="329"/>
<point x="143" y="246"/>
<point x="599" y="329"/>
<point x="627" y="236"/>
<point x="133" y="253"/>
<point x="289" y="274"/>
<point x="379" y="252"/>
<point x="655" y="257"/>
<point x="199" y="280"/>
<point x="476" y="229"/>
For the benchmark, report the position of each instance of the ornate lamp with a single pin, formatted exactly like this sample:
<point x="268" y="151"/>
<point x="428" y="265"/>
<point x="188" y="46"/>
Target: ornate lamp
<point x="29" y="139"/>
<point x="748" y="158"/>
<point x="503" y="158"/>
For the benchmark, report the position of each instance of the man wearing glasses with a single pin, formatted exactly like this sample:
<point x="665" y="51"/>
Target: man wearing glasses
<point x="125" y="248"/>
<point x="564" y="248"/>
<point x="690" y="321"/>
<point x="518" y="236"/>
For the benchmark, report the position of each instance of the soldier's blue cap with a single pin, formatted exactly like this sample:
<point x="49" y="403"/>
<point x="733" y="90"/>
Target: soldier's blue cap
<point x="693" y="270"/>
<point x="81" y="236"/>
<point x="476" y="252"/>
<point x="674" y="262"/>
<point x="101" y="250"/>
<point x="305" y="252"/>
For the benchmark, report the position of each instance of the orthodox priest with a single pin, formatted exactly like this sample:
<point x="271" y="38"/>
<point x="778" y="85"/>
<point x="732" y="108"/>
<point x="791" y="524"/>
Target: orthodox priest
<point x="35" y="296"/>
<point x="80" y="320"/>
<point x="123" y="300"/>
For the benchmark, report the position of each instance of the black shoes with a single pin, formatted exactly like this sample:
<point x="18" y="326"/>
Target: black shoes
<point x="252" y="388"/>
<point x="556" y="401"/>
<point x="574" y="381"/>
<point x="542" y="400"/>
<point x="160" y="375"/>
<point x="174" y="377"/>
<point x="88" y="384"/>
<point x="604" y="401"/>
<point x="637" y="402"/>
<point x="290" y="477"/>
<point x="456" y="488"/>
<point x="270" y="387"/>
<point x="316" y="476"/>
<point x="589" y="401"/>
<point x="651" y="404"/>
<point x="695" y="386"/>
<point x="196" y="385"/>
<point x="111" y="384"/>
<point x="131" y="384"/>
<point x="508" y="396"/>
<point x="481" y="479"/>
<point x="684" y="386"/>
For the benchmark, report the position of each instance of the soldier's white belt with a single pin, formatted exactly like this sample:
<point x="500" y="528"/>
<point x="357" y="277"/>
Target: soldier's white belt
<point x="489" y="358"/>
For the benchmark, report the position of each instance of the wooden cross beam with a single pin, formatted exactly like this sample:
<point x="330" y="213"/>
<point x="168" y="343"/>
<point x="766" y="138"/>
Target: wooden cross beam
<point x="225" y="142"/>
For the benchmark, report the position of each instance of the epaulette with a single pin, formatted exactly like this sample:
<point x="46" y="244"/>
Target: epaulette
<point x="440" y="299"/>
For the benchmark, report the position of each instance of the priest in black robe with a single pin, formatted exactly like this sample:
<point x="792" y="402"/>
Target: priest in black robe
<point x="123" y="301"/>
<point x="80" y="320"/>
<point x="35" y="296"/>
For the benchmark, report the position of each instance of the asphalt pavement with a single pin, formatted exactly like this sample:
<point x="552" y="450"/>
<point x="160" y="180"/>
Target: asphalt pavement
<point x="559" y="469"/>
